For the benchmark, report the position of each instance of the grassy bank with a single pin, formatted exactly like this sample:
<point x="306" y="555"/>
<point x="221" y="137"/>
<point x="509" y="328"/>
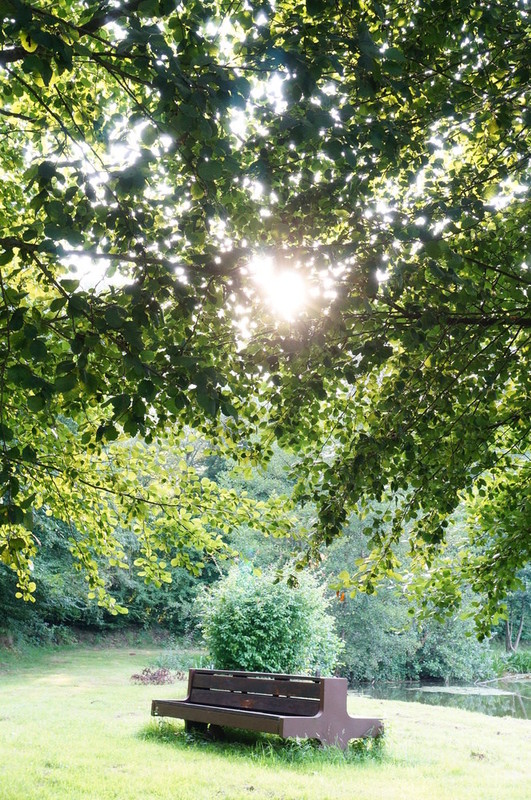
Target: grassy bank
<point x="72" y="725"/>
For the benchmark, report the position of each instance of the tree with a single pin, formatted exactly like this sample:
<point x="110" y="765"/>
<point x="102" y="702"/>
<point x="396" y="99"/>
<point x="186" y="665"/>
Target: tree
<point x="377" y="151"/>
<point x="516" y="628"/>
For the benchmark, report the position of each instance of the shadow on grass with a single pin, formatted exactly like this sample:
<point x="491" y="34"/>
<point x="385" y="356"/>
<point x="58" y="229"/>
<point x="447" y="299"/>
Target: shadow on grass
<point x="266" y="749"/>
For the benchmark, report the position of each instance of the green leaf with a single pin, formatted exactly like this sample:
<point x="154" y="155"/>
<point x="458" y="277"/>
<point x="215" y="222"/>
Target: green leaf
<point x="148" y="8"/>
<point x="132" y="180"/>
<point x="210" y="170"/>
<point x="47" y="170"/>
<point x="149" y="135"/>
<point x="6" y="434"/>
<point x="316" y="8"/>
<point x="120" y="404"/>
<point x="147" y="389"/>
<point x="35" y="65"/>
<point x="436" y="248"/>
<point x="106" y="432"/>
<point x="115" y="316"/>
<point x="78" y="305"/>
<point x="207" y="401"/>
<point x="22" y="376"/>
<point x="17" y="319"/>
<point x="38" y="350"/>
<point x="133" y="336"/>
<point x="228" y="409"/>
<point x="6" y="257"/>
<point x="35" y="402"/>
<point x="394" y="54"/>
<point x="365" y="41"/>
<point x="65" y="383"/>
<point x="69" y="285"/>
<point x="58" y="303"/>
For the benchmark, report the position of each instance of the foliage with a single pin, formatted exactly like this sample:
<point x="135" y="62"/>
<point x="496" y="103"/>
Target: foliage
<point x="62" y="591"/>
<point x="263" y="482"/>
<point x="250" y="622"/>
<point x="61" y="594"/>
<point x="180" y="660"/>
<point x="449" y="651"/>
<point x="33" y="631"/>
<point x="514" y="663"/>
<point x="378" y="150"/>
<point x="376" y="630"/>
<point x="516" y="627"/>
<point x="378" y="636"/>
<point x="386" y="637"/>
<point x="381" y="639"/>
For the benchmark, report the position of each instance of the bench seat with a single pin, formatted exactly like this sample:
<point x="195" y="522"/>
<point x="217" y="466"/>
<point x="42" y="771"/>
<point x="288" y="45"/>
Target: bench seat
<point x="286" y="705"/>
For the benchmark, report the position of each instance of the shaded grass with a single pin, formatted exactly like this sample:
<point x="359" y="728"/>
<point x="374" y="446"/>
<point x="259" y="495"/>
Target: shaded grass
<point x="74" y="727"/>
<point x="263" y="748"/>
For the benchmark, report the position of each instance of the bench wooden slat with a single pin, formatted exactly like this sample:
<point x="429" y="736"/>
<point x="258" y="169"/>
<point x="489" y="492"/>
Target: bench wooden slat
<point x="265" y="686"/>
<point x="304" y="707"/>
<point x="238" y="673"/>
<point x="249" y="720"/>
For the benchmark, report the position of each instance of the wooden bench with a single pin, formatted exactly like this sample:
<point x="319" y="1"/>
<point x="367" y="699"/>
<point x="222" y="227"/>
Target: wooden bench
<point x="287" y="705"/>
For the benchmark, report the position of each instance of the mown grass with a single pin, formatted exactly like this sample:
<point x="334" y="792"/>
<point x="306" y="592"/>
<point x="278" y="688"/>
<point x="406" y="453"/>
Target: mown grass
<point x="72" y="725"/>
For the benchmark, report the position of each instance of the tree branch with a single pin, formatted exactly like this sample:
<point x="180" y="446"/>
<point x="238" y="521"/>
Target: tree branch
<point x="98" y="21"/>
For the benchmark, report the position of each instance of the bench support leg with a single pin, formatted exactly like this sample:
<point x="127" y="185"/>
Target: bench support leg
<point x="195" y="727"/>
<point x="216" y="732"/>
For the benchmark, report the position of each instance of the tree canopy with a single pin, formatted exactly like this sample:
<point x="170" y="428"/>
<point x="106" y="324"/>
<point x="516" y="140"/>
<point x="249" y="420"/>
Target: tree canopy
<point x="372" y="157"/>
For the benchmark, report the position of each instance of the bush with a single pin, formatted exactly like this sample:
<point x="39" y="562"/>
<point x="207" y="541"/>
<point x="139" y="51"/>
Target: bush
<point x="518" y="663"/>
<point x="251" y="623"/>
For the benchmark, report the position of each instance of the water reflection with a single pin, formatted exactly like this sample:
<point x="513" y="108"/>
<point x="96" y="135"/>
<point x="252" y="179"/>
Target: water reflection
<point x="500" y="699"/>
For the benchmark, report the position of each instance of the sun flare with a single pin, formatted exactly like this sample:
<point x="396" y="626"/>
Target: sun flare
<point x="284" y="290"/>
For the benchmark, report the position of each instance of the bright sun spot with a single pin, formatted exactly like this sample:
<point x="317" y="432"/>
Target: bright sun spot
<point x="284" y="290"/>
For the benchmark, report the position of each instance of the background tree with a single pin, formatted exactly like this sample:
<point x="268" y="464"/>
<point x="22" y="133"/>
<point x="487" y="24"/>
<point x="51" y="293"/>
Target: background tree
<point x="516" y="626"/>
<point x="374" y="154"/>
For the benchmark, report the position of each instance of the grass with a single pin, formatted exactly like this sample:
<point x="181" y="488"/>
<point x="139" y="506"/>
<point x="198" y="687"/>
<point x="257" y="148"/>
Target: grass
<point x="73" y="726"/>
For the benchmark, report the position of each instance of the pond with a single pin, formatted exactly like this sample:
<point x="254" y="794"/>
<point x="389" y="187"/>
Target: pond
<point x="503" y="698"/>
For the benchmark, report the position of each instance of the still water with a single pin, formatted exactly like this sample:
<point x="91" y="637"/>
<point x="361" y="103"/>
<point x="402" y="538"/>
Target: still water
<point x="499" y="699"/>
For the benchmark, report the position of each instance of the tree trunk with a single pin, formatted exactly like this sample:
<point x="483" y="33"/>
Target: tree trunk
<point x="520" y="627"/>
<point x="509" y="637"/>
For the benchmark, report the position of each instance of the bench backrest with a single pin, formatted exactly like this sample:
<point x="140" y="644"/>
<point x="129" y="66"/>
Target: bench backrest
<point x="256" y="691"/>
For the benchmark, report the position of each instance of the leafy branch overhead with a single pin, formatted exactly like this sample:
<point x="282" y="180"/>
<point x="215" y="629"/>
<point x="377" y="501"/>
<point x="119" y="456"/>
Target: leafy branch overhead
<point x="161" y="162"/>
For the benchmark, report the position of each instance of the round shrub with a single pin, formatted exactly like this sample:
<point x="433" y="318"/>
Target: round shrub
<point x="252" y="623"/>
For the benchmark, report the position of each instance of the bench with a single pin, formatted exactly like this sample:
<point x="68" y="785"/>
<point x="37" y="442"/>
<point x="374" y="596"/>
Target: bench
<point x="287" y="705"/>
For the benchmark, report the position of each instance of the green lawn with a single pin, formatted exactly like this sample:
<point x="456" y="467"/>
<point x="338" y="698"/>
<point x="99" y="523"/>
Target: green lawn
<point x="72" y="725"/>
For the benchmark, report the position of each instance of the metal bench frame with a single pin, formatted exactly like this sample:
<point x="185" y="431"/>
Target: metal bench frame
<point x="287" y="705"/>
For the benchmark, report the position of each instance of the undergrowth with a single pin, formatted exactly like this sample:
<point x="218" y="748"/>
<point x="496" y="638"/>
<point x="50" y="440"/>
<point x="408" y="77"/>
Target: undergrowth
<point x="518" y="663"/>
<point x="157" y="676"/>
<point x="181" y="660"/>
